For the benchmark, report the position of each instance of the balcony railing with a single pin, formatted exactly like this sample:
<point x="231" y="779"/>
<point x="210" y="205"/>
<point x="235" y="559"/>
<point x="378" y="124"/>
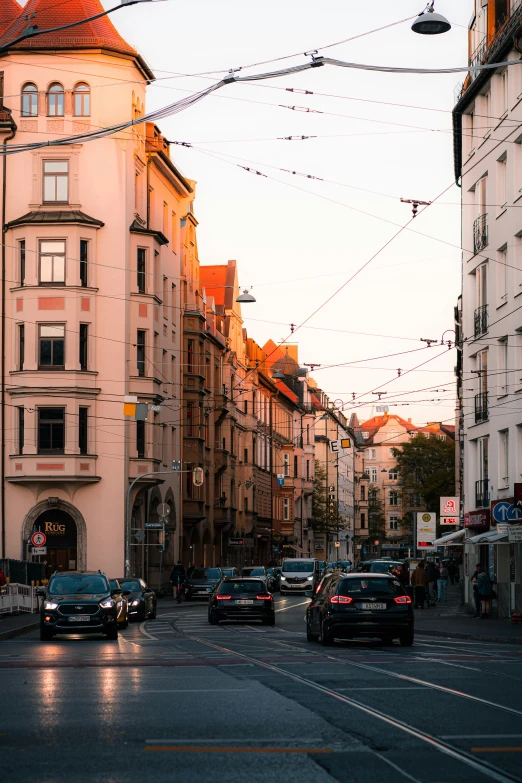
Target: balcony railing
<point x="481" y="407"/>
<point x="482" y="493"/>
<point x="481" y="320"/>
<point x="480" y="233"/>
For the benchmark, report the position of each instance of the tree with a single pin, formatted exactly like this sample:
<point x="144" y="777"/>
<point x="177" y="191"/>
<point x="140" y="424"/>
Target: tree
<point x="426" y="468"/>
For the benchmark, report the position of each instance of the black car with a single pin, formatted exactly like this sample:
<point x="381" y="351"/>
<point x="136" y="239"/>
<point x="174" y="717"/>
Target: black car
<point x="141" y="599"/>
<point x="346" y="606"/>
<point x="230" y="571"/>
<point x="77" y="602"/>
<point x="201" y="581"/>
<point x="241" y="598"/>
<point x="261" y="573"/>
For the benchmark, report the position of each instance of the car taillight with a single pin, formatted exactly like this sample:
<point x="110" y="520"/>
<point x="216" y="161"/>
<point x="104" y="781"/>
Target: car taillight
<point x="264" y="597"/>
<point x="341" y="599"/>
<point x="224" y="597"/>
<point x="402" y="599"/>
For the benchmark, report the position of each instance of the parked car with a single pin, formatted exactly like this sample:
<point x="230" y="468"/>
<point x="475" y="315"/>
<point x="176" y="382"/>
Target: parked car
<point x="346" y="606"/>
<point x="363" y="566"/>
<point x="261" y="572"/>
<point x="141" y="599"/>
<point x="201" y="582"/>
<point x="122" y="605"/>
<point x="384" y="566"/>
<point x="241" y="598"/>
<point x="77" y="602"/>
<point x="230" y="571"/>
<point x="339" y="565"/>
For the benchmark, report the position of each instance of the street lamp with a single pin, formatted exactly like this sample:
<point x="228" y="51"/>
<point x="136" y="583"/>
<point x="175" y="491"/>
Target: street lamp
<point x="245" y="297"/>
<point x="430" y="23"/>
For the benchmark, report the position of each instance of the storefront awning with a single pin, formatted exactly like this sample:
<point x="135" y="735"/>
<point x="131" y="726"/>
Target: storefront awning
<point x="491" y="537"/>
<point x="452" y="538"/>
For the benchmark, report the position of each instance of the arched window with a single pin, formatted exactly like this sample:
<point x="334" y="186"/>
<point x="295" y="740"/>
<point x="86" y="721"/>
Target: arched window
<point x="55" y="102"/>
<point x="82" y="100"/>
<point x="30" y="100"/>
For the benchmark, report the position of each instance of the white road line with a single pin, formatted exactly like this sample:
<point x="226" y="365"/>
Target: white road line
<point x="390" y="688"/>
<point x="480" y="736"/>
<point x="144" y="632"/>
<point x="242" y="740"/>
<point x="286" y="608"/>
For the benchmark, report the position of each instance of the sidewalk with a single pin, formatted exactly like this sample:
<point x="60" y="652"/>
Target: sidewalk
<point x="12" y="625"/>
<point x="451" y="620"/>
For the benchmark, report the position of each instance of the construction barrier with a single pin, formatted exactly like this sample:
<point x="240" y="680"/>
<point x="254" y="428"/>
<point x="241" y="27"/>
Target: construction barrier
<point x="15" y="598"/>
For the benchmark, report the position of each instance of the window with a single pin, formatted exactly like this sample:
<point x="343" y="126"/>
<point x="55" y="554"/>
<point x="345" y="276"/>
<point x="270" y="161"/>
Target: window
<point x="371" y="453"/>
<point x="394" y="522"/>
<point x="393" y="498"/>
<point x="141" y="270"/>
<point x="286" y="464"/>
<point x="165" y="218"/>
<point x="487" y="113"/>
<point x="82" y="430"/>
<point x="51" y="430"/>
<point x="190" y="356"/>
<point x="84" y="257"/>
<point x="82" y="100"/>
<point x="502" y="276"/>
<point x="286" y="509"/>
<point x="366" y="435"/>
<point x="21" y="430"/>
<point x="502" y="184"/>
<point x="363" y="492"/>
<point x="393" y="474"/>
<point x="51" y="349"/>
<point x="140" y="438"/>
<point x="190" y="418"/>
<point x="55" y="100"/>
<point x="503" y="372"/>
<point x="504" y="102"/>
<point x="503" y="458"/>
<point x="482" y="285"/>
<point x="21" y="346"/>
<point x="308" y="470"/>
<point x="483" y="459"/>
<point x="173" y="232"/>
<point x="30" y="100"/>
<point x="363" y="520"/>
<point x="165" y="297"/>
<point x="373" y="475"/>
<point x="245" y="456"/>
<point x="56" y="181"/>
<point x="84" y="333"/>
<point x="392" y="453"/>
<point x="21" y="248"/>
<point x="296" y="471"/>
<point x="245" y="504"/>
<point x="140" y="352"/>
<point x="52" y="262"/>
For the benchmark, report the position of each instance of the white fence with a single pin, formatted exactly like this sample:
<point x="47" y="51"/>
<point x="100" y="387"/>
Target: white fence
<point x="18" y="598"/>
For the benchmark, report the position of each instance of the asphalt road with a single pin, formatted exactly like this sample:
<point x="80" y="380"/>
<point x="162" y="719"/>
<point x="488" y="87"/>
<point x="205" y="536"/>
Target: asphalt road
<point x="175" y="699"/>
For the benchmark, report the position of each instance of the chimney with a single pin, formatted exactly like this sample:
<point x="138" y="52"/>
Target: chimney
<point x="409" y="421"/>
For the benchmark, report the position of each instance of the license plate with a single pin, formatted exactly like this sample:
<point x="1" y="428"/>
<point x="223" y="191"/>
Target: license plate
<point x="299" y="587"/>
<point x="373" y="606"/>
<point x="79" y="618"/>
<point x="244" y="601"/>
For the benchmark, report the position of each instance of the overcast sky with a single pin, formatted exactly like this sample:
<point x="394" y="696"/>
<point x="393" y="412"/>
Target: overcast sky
<point x="297" y="240"/>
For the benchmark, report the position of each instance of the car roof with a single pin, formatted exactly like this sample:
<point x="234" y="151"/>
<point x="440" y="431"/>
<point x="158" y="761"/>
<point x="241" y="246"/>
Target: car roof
<point x="241" y="579"/>
<point x="369" y="574"/>
<point x="79" y="573"/>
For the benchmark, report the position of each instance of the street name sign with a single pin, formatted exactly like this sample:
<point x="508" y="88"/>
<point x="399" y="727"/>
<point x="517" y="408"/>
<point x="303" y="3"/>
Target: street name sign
<point x="153" y="525"/>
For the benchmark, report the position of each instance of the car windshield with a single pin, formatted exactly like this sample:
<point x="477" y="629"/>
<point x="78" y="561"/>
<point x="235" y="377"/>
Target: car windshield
<point x="78" y="583"/>
<point x="131" y="584"/>
<point x="236" y="588"/>
<point x="298" y="566"/>
<point x="256" y="571"/>
<point x="228" y="571"/>
<point x="384" y="567"/>
<point x="374" y="587"/>
<point x="114" y="584"/>
<point x="206" y="573"/>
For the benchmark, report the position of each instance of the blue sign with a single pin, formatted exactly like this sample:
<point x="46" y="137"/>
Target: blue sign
<point x="504" y="511"/>
<point x="280" y="481"/>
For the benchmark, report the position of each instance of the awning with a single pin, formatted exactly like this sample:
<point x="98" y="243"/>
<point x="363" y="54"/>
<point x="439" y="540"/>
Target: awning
<point x="491" y="537"/>
<point x="451" y="538"/>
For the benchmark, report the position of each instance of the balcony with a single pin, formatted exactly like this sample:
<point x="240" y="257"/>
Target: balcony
<point x="72" y="470"/>
<point x="480" y="233"/>
<point x="480" y="321"/>
<point x="482" y="493"/>
<point x="481" y="407"/>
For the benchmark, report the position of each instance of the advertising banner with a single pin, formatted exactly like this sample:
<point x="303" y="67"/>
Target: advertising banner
<point x="426" y="530"/>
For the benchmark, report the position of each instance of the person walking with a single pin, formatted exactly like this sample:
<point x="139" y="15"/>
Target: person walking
<point x="485" y="591"/>
<point x="177" y="577"/>
<point x="431" y="570"/>
<point x="420" y="582"/>
<point x="476" y="597"/>
<point x="452" y="570"/>
<point x="442" y="583"/>
<point x="2" y="578"/>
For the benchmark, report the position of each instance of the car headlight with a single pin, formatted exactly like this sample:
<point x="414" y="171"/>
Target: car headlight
<point x="136" y="602"/>
<point x="310" y="578"/>
<point x="107" y="604"/>
<point x="50" y="605"/>
<point x="282" y="578"/>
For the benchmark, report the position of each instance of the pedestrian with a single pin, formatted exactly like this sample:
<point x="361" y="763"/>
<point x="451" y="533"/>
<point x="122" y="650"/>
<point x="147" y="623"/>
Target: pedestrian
<point x="402" y="575"/>
<point x="452" y="570"/>
<point x="485" y="591"/>
<point x="431" y="570"/>
<point x="420" y="582"/>
<point x="2" y="578"/>
<point x="177" y="577"/>
<point x="442" y="583"/>
<point x="476" y="597"/>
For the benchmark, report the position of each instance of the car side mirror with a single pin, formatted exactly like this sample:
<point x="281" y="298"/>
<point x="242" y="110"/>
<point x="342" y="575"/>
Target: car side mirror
<point x="40" y="592"/>
<point x="309" y="594"/>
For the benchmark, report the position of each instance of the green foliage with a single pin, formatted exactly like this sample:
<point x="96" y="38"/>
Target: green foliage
<point x="426" y="467"/>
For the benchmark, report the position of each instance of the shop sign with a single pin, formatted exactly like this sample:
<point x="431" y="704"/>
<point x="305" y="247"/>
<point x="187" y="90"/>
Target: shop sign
<point x="236" y="541"/>
<point x="449" y="520"/>
<point x="449" y="507"/>
<point x="319" y="546"/>
<point x="477" y="518"/>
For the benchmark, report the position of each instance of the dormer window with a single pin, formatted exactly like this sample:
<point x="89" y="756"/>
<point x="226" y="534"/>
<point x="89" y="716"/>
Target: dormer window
<point x="82" y="100"/>
<point x="55" y="100"/>
<point x="30" y="100"/>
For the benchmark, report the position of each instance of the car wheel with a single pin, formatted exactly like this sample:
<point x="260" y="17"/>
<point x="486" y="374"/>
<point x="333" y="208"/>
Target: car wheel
<point x="310" y="636"/>
<point x="112" y="633"/>
<point x="387" y="639"/>
<point x="407" y="639"/>
<point x="45" y="635"/>
<point x="213" y="618"/>
<point x="325" y="636"/>
<point x="153" y="614"/>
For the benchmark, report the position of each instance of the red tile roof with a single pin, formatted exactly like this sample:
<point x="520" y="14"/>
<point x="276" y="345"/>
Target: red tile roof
<point x="213" y="279"/>
<point x="283" y="388"/>
<point x="372" y="426"/>
<point x="9" y="12"/>
<point x="48" y="14"/>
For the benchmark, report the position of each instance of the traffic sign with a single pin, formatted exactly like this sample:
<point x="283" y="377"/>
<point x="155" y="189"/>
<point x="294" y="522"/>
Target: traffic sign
<point x="236" y="541"/>
<point x="139" y="535"/>
<point x="280" y="479"/>
<point x="38" y="539"/>
<point x="154" y="525"/>
<point x="515" y="534"/>
<point x="163" y="510"/>
<point x="505" y="511"/>
<point x="339" y="445"/>
<point x="39" y="550"/>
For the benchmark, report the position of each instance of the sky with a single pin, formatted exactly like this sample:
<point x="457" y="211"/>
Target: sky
<point x="297" y="240"/>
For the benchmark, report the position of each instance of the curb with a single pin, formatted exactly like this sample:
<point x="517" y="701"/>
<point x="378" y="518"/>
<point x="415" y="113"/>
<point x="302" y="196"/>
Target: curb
<point x="14" y="632"/>
<point x="473" y="637"/>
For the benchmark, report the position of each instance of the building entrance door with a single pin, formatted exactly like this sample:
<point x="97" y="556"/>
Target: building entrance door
<point x="62" y="538"/>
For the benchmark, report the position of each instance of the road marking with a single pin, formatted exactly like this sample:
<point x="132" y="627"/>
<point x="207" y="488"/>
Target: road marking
<point x="144" y="632"/>
<point x="190" y="690"/>
<point x="195" y="749"/>
<point x="481" y="736"/>
<point x="286" y="608"/>
<point x="405" y="688"/>
<point x="235" y="740"/>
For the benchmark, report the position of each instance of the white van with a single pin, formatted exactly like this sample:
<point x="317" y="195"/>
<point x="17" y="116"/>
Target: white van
<point x="299" y="574"/>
